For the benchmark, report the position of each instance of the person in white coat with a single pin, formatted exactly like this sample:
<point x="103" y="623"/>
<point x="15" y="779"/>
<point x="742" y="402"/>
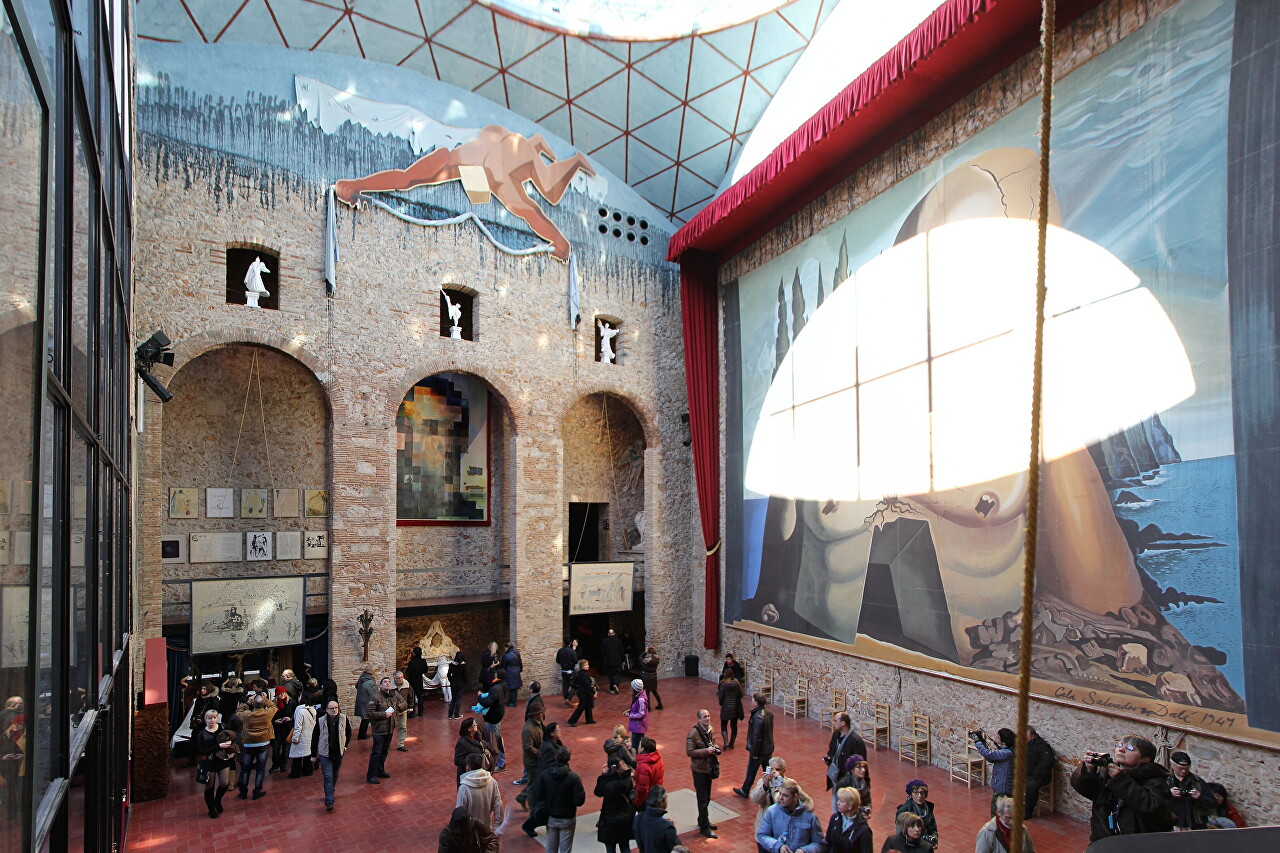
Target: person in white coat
<point x="304" y="724"/>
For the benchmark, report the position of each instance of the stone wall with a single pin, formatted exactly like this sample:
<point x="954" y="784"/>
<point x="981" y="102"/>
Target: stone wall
<point x="369" y="343"/>
<point x="956" y="705"/>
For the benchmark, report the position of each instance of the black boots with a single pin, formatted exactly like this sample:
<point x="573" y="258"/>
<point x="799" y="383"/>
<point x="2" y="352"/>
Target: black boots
<point x="211" y="802"/>
<point x="217" y="798"/>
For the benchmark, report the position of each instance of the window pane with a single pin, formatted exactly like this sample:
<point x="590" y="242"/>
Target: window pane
<point x="81" y="695"/>
<point x="21" y="206"/>
<point x="48" y="739"/>
<point x="82" y="272"/>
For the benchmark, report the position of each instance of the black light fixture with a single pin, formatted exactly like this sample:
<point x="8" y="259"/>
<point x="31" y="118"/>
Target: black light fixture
<point x="154" y="350"/>
<point x="684" y="420"/>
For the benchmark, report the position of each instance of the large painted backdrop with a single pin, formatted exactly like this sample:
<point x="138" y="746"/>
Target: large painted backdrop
<point x="912" y="554"/>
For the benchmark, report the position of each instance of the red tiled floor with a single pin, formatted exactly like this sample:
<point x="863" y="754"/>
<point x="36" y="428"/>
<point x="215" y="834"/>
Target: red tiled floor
<point x="411" y="807"/>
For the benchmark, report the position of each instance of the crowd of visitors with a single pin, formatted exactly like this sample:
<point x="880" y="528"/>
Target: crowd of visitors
<point x="248" y="731"/>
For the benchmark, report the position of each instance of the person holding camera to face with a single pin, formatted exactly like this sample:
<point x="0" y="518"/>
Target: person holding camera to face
<point x="617" y="790"/>
<point x="1000" y="756"/>
<point x="1129" y="791"/>
<point x="1191" y="802"/>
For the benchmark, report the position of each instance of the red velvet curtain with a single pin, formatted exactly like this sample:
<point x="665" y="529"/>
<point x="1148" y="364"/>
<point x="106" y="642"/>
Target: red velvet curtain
<point x="699" y="300"/>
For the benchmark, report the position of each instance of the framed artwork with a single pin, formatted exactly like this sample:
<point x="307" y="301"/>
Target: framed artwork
<point x="77" y="549"/>
<point x="184" y="503"/>
<point x="316" y="502"/>
<point x="253" y="503"/>
<point x="600" y="587"/>
<point x="287" y="503"/>
<point x="5" y="487"/>
<point x="80" y="501"/>
<point x="5" y="545"/>
<point x="173" y="549"/>
<point x="246" y="613"/>
<point x="257" y="546"/>
<point x="219" y="503"/>
<point x="315" y="544"/>
<point x="442" y="452"/>
<point x="215" y="548"/>
<point x="289" y="545"/>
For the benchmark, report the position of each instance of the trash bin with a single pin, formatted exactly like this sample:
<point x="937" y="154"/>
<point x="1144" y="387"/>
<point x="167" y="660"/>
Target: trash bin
<point x="691" y="665"/>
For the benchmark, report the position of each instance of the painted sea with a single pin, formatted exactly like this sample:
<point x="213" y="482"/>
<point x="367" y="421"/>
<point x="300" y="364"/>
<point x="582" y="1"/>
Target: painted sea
<point x="1197" y="497"/>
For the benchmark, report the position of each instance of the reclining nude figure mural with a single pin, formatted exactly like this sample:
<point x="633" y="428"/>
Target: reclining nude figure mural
<point x="508" y="160"/>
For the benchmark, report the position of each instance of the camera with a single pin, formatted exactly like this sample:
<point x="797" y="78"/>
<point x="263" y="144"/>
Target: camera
<point x="1101" y="760"/>
<point x="978" y="735"/>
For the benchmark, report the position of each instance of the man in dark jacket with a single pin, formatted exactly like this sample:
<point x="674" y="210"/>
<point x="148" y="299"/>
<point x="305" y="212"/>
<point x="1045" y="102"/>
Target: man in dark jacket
<point x="1040" y="764"/>
<point x="652" y="829"/>
<point x="704" y="762"/>
<point x="512" y="669"/>
<point x="381" y="712"/>
<point x="1191" y="802"/>
<point x="566" y="661"/>
<point x="611" y="653"/>
<point x="845" y="742"/>
<point x="494" y="702"/>
<point x="530" y="747"/>
<point x="1129" y="791"/>
<point x="465" y="834"/>
<point x="759" y="743"/>
<point x="414" y="672"/>
<point x="560" y="789"/>
<point x="585" y="686"/>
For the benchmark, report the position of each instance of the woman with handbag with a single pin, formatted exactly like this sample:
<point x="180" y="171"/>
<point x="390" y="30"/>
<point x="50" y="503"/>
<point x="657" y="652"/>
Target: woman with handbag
<point x="304" y="724"/>
<point x="216" y="748"/>
<point x="457" y="685"/>
<point x="469" y="743"/>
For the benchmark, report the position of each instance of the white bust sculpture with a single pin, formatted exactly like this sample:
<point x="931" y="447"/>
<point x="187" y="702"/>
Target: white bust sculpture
<point x="607" y="334"/>
<point x="455" y="315"/>
<point x="253" y="287"/>
<point x="436" y="643"/>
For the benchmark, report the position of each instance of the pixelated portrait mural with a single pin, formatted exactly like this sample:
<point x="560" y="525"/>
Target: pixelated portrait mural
<point x="442" y="451"/>
<point x="878" y="440"/>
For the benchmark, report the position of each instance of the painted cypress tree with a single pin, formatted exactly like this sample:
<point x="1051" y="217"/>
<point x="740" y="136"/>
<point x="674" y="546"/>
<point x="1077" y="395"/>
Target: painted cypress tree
<point x="820" y="293"/>
<point x="797" y="306"/>
<point x="782" y="343"/>
<point x="842" y="263"/>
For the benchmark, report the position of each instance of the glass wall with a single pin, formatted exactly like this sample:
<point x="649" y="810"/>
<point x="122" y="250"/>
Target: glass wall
<point x="65" y="385"/>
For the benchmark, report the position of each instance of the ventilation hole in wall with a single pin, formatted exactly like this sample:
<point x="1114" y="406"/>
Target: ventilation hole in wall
<point x="631" y="220"/>
<point x="617" y="232"/>
<point x="617" y="216"/>
<point x="644" y="239"/>
<point x="602" y="228"/>
<point x="644" y="225"/>
<point x="631" y="236"/>
<point x="604" y="212"/>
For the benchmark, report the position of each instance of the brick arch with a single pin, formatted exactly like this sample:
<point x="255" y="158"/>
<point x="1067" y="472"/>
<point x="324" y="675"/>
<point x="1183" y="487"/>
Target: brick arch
<point x="194" y="346"/>
<point x="403" y="380"/>
<point x="642" y="412"/>
<point x="10" y="320"/>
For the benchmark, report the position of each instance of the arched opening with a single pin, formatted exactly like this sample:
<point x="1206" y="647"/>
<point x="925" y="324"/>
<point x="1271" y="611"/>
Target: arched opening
<point x="245" y="475"/>
<point x="604" y="449"/>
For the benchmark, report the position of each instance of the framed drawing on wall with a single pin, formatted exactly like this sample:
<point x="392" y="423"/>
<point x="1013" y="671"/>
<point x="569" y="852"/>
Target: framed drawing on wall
<point x="600" y="587"/>
<point x="442" y="452"/>
<point x="289" y="545"/>
<point x="219" y="503"/>
<point x="253" y="503"/>
<point x="184" y="503"/>
<point x="316" y="503"/>
<point x="286" y="503"/>
<point x="173" y="549"/>
<point x="246" y="613"/>
<point x="315" y="544"/>
<point x="257" y="546"/>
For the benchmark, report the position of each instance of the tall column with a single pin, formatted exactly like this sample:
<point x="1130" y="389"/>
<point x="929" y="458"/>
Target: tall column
<point x="361" y="554"/>
<point x="536" y="587"/>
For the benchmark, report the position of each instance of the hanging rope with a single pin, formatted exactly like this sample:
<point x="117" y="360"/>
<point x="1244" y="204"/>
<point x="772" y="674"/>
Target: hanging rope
<point x="1047" y="18"/>
<point x="613" y="469"/>
<point x="262" y="414"/>
<point x="244" y="409"/>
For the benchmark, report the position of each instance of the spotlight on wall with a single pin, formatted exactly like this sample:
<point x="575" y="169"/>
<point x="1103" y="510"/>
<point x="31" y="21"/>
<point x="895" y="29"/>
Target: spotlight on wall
<point x="156" y="386"/>
<point x="154" y="350"/>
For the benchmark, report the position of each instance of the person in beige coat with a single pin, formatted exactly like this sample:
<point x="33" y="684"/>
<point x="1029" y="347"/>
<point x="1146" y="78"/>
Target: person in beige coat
<point x="478" y="793"/>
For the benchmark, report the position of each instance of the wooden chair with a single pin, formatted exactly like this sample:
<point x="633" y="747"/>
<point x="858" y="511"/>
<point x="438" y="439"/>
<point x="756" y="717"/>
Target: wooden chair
<point x="876" y="730"/>
<point x="914" y="742"/>
<point x="827" y="716"/>
<point x="797" y="704"/>
<point x="1048" y="795"/>
<point x="765" y="687"/>
<point x="968" y="767"/>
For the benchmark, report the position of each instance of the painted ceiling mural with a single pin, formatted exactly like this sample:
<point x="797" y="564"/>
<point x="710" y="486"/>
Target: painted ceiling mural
<point x="666" y="116"/>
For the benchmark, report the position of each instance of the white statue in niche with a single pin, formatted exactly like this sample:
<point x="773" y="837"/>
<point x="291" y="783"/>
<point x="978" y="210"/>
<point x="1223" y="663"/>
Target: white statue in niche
<point x="639" y="546"/>
<point x="253" y="287"/>
<point x="607" y="334"/>
<point x="455" y="315"/>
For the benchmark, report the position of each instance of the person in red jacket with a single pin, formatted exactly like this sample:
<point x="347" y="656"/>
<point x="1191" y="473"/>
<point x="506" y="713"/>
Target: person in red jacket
<point x="650" y="771"/>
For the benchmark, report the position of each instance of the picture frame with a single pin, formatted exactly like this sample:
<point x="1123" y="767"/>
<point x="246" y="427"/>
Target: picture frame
<point x="6" y="487"/>
<point x="257" y="545"/>
<point x="286" y="503"/>
<point x="288" y="544"/>
<point x="173" y="548"/>
<point x="253" y="503"/>
<point x="316" y="503"/>
<point x="219" y="503"/>
<point x="184" y="502"/>
<point x="315" y="544"/>
<point x="216" y="547"/>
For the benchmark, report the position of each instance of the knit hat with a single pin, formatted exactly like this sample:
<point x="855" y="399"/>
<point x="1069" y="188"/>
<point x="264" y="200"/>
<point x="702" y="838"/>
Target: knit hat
<point x="916" y="783"/>
<point x="637" y="684"/>
<point x="851" y="761"/>
<point x="1180" y="758"/>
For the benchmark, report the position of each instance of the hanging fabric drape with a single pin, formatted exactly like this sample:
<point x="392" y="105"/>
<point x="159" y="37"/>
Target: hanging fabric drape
<point x="699" y="301"/>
